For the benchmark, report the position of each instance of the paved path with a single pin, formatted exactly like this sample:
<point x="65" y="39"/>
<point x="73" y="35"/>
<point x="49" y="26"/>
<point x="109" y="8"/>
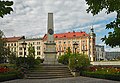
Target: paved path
<point x="63" y="80"/>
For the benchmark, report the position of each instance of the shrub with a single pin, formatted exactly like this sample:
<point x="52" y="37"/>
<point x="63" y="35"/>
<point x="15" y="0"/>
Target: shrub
<point x="78" y="62"/>
<point x="38" y="60"/>
<point x="7" y="77"/>
<point x="29" y="62"/>
<point x="101" y="75"/>
<point x="64" y="59"/>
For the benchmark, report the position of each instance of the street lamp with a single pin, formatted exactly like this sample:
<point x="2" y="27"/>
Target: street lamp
<point x="24" y="47"/>
<point x="75" y="46"/>
<point x="83" y="49"/>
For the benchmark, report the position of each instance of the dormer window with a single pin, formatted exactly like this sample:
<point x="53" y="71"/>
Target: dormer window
<point x="83" y="34"/>
<point x="74" y="35"/>
<point x="56" y="37"/>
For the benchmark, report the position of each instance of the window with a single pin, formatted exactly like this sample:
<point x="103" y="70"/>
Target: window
<point x="83" y="41"/>
<point x="20" y="53"/>
<point x="20" y="48"/>
<point x="20" y="43"/>
<point x="56" y="37"/>
<point x="11" y="49"/>
<point x="14" y="44"/>
<point x="38" y="43"/>
<point x="38" y="53"/>
<point x="14" y="49"/>
<point x="68" y="41"/>
<point x="59" y="42"/>
<point x="33" y="43"/>
<point x="64" y="42"/>
<point x="38" y="47"/>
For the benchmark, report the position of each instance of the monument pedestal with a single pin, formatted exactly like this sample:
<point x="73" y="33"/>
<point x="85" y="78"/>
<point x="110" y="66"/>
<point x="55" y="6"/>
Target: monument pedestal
<point x="50" y="58"/>
<point x="50" y="54"/>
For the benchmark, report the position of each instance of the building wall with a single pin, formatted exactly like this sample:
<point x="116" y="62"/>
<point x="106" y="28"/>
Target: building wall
<point x="112" y="55"/>
<point x="100" y="53"/>
<point x="36" y="43"/>
<point x="63" y="43"/>
<point x="86" y="45"/>
<point x="13" y="46"/>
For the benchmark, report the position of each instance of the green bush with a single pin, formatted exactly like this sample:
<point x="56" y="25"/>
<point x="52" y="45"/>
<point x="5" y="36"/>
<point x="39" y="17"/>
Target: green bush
<point x="64" y="59"/>
<point x="30" y="62"/>
<point x="7" y="77"/>
<point x="78" y="62"/>
<point x="38" y="60"/>
<point x="101" y="75"/>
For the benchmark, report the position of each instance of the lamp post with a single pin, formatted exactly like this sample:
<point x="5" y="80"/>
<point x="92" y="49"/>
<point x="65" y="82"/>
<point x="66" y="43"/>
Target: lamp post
<point x="24" y="47"/>
<point x="83" y="49"/>
<point x="75" y="46"/>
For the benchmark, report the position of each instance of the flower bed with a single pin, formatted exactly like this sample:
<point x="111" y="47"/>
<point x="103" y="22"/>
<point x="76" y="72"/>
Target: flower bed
<point x="7" y="73"/>
<point x="3" y="69"/>
<point x="107" y="72"/>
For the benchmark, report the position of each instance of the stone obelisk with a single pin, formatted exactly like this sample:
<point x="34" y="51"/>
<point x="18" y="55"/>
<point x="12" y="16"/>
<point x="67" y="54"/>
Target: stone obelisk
<point x="50" y="50"/>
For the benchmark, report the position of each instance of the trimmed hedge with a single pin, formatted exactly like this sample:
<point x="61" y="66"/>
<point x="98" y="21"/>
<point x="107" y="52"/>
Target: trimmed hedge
<point x="6" y="77"/>
<point x="101" y="75"/>
<point x="11" y="75"/>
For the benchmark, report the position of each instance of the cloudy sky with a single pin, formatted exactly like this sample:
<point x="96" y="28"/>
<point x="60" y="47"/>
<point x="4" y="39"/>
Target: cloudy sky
<point x="30" y="19"/>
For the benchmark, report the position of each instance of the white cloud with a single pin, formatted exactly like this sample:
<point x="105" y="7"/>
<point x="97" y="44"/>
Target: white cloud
<point x="30" y="17"/>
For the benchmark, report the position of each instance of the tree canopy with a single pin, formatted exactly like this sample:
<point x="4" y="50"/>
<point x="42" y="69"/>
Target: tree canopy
<point x="5" y="7"/>
<point x="31" y="51"/>
<point x="96" y="6"/>
<point x="3" y="51"/>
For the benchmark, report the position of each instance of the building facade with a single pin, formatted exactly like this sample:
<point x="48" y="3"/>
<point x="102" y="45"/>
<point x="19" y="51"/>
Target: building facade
<point x="12" y="43"/>
<point x="112" y="55"/>
<point x="100" y="53"/>
<point x="86" y="44"/>
<point x="36" y="43"/>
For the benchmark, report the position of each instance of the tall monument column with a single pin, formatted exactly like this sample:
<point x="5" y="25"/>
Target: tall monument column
<point x="50" y="50"/>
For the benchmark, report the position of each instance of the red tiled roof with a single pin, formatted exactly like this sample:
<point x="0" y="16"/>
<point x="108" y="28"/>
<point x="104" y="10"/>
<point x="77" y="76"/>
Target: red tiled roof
<point x="68" y="35"/>
<point x="13" y="39"/>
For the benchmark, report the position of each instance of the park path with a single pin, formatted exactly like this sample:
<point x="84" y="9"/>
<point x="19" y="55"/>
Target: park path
<point x="63" y="80"/>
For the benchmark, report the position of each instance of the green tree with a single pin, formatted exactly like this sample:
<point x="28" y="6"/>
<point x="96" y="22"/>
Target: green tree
<point x="68" y="51"/>
<point x="96" y="6"/>
<point x="12" y="58"/>
<point x="5" y="7"/>
<point x="78" y="62"/>
<point x="31" y="51"/>
<point x="64" y="59"/>
<point x="4" y="51"/>
<point x="2" y="48"/>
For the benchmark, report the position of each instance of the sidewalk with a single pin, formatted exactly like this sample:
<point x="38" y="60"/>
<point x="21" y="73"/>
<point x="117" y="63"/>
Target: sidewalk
<point x="63" y="80"/>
